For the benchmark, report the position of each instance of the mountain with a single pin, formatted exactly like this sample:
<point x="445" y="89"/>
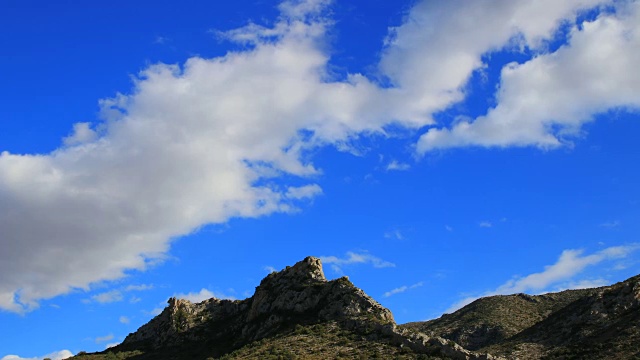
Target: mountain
<point x="600" y="323"/>
<point x="294" y="313"/>
<point x="297" y="314"/>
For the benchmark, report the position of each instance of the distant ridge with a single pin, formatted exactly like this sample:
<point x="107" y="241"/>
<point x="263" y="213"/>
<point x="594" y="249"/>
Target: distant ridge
<point x="599" y="323"/>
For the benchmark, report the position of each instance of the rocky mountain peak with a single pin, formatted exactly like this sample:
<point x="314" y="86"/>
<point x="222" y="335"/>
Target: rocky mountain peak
<point x="298" y="295"/>
<point x="306" y="272"/>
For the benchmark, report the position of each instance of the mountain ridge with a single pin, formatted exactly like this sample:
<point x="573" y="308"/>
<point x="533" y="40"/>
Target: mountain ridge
<point x="297" y="313"/>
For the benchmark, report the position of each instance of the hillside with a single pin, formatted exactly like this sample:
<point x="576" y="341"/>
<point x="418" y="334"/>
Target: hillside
<point x="600" y="323"/>
<point x="493" y="319"/>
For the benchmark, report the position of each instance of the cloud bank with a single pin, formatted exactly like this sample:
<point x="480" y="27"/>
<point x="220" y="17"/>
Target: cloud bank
<point x="213" y="139"/>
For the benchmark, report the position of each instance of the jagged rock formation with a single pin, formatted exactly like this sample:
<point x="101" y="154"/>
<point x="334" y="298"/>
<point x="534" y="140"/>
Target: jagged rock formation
<point x="601" y="323"/>
<point x="284" y="302"/>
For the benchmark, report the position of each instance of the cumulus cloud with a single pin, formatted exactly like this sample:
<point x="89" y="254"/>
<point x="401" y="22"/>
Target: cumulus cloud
<point x="188" y="146"/>
<point x="571" y="263"/>
<point x="545" y="101"/>
<point x="82" y="133"/>
<point x="203" y="294"/>
<point x="402" y="289"/>
<point x="337" y="263"/>
<point x="205" y="141"/>
<point x="58" y="355"/>
<point x="431" y="56"/>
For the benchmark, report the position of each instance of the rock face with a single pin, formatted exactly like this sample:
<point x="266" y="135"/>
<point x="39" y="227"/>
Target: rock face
<point x="296" y="295"/>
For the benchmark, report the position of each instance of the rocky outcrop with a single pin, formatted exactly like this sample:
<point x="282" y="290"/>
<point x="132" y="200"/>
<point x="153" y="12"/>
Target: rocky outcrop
<point x="296" y="295"/>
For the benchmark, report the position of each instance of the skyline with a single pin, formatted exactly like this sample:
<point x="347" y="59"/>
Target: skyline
<point x="433" y="152"/>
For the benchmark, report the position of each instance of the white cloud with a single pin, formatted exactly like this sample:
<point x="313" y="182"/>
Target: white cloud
<point x="571" y="263"/>
<point x="270" y="269"/>
<point x="57" y="355"/>
<point x="186" y="148"/>
<point x="355" y="258"/>
<point x="432" y="55"/>
<point x="189" y="144"/>
<point x="397" y="166"/>
<point x="485" y="224"/>
<point x="203" y="294"/>
<point x="108" y="297"/>
<point x="124" y="320"/>
<point x="402" y="289"/>
<point x="448" y="228"/>
<point x="544" y="101"/>
<point x="82" y="133"/>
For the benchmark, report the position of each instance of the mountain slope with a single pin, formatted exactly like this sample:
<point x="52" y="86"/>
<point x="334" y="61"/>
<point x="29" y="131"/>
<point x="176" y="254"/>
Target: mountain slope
<point x="600" y="323"/>
<point x="603" y="325"/>
<point x="493" y="319"/>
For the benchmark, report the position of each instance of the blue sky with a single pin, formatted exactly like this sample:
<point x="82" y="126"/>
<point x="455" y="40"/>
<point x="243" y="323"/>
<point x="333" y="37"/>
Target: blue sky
<point x="434" y="152"/>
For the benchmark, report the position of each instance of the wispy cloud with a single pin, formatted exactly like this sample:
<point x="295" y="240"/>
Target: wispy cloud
<point x="108" y="297"/>
<point x="570" y="263"/>
<point x="101" y="339"/>
<point x="270" y="269"/>
<point x="397" y="166"/>
<point x="394" y="234"/>
<point x="402" y="289"/>
<point x="124" y="320"/>
<point x="142" y="287"/>
<point x="117" y="295"/>
<point x="355" y="258"/>
<point x="485" y="224"/>
<point x="610" y="224"/>
<point x="303" y="192"/>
